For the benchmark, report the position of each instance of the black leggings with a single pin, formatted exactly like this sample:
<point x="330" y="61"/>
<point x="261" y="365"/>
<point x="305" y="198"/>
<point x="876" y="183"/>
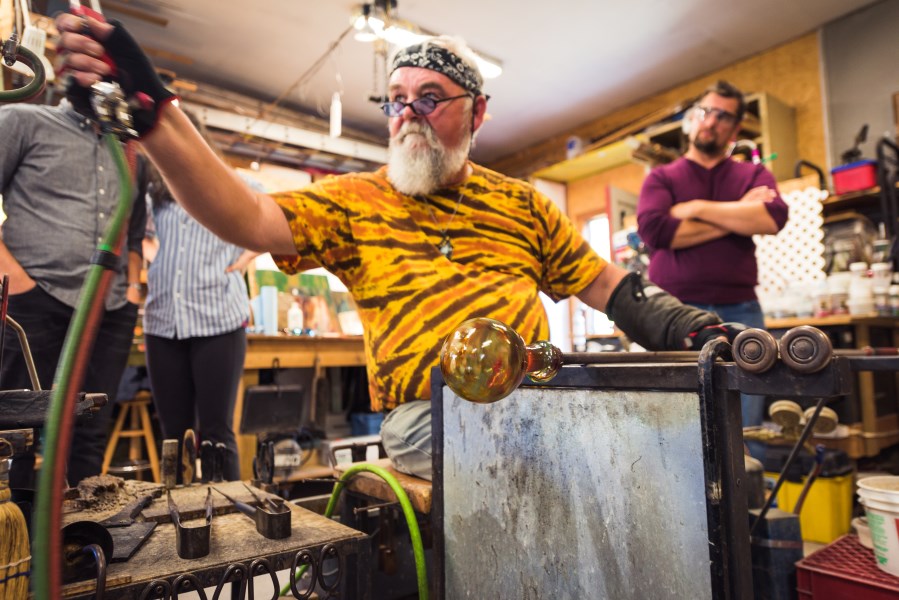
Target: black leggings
<point x="194" y="383"/>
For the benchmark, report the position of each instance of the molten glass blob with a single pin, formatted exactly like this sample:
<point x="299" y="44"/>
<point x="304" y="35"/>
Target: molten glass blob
<point x="484" y="360"/>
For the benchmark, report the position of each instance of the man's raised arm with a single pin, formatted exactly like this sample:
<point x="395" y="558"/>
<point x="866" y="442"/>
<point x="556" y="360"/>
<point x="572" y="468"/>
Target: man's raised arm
<point x="207" y="188"/>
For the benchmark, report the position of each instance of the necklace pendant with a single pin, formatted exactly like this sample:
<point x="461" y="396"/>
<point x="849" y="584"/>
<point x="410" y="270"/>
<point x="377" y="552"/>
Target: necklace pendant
<point x="446" y="247"/>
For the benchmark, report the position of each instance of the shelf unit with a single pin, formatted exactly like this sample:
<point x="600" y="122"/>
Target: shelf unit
<point x="769" y="123"/>
<point x="861" y="199"/>
<point x="875" y="422"/>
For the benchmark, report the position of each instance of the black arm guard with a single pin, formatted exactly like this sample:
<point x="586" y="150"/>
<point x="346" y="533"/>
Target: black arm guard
<point x="654" y="318"/>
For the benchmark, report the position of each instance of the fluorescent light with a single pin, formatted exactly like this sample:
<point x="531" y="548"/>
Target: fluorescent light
<point x="399" y="35"/>
<point x="402" y="37"/>
<point x="489" y="69"/>
<point x="402" y="33"/>
<point x="336" y="115"/>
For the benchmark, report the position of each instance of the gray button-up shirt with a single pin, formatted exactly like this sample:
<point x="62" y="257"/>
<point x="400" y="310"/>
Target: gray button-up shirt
<point x="60" y="189"/>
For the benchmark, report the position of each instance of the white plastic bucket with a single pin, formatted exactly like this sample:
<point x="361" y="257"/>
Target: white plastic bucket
<point x="880" y="497"/>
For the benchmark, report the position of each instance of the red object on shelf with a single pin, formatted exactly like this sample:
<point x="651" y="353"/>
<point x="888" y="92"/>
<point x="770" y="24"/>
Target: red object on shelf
<point x="844" y="570"/>
<point x="855" y="176"/>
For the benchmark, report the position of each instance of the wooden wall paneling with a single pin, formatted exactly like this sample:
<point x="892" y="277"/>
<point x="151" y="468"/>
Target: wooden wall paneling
<point x="588" y="197"/>
<point x="789" y="72"/>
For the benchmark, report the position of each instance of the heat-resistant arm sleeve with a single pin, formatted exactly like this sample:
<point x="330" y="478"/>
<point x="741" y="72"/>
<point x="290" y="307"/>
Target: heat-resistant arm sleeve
<point x="654" y="318"/>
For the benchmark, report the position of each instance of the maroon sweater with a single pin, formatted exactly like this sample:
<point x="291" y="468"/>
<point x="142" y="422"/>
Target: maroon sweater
<point x="721" y="271"/>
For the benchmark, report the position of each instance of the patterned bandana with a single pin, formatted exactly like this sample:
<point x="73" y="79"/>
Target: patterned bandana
<point x="440" y="60"/>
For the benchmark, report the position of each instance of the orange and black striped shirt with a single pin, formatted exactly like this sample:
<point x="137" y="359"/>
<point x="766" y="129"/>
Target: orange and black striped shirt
<point x="509" y="242"/>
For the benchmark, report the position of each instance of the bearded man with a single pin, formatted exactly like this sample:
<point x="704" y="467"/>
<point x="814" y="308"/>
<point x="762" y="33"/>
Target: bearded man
<point x="698" y="214"/>
<point x="423" y="244"/>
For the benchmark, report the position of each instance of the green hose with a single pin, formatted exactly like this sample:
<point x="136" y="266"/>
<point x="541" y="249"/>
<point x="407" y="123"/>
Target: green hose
<point x="35" y="85"/>
<point x="46" y="570"/>
<point x="415" y="535"/>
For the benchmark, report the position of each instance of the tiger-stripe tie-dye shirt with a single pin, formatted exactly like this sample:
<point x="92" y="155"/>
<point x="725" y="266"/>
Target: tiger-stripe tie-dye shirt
<point x="509" y="243"/>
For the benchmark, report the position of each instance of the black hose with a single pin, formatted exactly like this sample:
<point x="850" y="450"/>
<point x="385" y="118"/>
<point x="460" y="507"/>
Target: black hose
<point x="822" y="181"/>
<point x="790" y="459"/>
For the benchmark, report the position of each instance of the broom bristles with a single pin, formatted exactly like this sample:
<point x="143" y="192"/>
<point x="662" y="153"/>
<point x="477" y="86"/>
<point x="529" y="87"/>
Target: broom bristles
<point x="15" y="556"/>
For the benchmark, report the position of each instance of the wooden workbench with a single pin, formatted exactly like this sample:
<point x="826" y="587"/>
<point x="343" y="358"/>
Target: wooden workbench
<point x="876" y="431"/>
<point x="290" y="352"/>
<point x="234" y="543"/>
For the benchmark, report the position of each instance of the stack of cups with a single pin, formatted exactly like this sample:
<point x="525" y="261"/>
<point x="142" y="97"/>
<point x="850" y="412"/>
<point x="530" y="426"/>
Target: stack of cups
<point x="861" y="296"/>
<point x="838" y="285"/>
<point x="880" y="497"/>
<point x="881" y="277"/>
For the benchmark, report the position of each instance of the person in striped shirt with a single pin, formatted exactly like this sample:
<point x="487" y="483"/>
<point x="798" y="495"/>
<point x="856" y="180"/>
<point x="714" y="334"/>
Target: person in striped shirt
<point x="194" y="324"/>
<point x="426" y="242"/>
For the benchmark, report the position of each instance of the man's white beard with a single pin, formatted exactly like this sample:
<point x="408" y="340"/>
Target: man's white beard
<point x="423" y="170"/>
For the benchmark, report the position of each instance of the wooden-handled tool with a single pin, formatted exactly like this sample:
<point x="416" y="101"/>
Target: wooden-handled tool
<point x="188" y="457"/>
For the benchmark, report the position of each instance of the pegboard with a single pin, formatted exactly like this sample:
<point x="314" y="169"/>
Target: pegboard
<point x="795" y="256"/>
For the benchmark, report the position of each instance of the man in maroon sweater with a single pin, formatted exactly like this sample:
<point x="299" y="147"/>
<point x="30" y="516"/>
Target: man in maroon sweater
<point x="697" y="216"/>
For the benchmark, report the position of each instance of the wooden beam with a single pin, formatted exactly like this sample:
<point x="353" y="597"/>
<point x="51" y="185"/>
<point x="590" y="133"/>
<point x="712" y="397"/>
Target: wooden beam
<point x="166" y="55"/>
<point x="109" y="5"/>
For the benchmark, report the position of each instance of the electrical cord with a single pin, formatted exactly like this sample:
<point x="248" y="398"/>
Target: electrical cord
<point x="412" y="522"/>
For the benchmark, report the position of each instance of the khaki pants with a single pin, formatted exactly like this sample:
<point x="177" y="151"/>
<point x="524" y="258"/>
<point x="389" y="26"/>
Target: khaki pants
<point x="406" y="436"/>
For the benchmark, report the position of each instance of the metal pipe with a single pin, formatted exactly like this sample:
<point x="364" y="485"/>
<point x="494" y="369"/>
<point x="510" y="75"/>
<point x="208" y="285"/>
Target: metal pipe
<point x="26" y="352"/>
<point x="599" y="358"/>
<point x="806" y="432"/>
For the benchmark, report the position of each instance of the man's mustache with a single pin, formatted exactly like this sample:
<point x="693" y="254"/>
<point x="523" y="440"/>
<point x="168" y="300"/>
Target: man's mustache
<point x="418" y="129"/>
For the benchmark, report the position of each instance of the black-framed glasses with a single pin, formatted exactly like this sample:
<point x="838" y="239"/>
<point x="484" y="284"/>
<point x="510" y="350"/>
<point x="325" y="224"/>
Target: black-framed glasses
<point x="723" y="116"/>
<point x="420" y="106"/>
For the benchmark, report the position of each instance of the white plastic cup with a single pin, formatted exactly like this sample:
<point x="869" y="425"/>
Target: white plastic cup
<point x="861" y="289"/>
<point x="880" y="497"/>
<point x="882" y="271"/>
<point x="861" y="306"/>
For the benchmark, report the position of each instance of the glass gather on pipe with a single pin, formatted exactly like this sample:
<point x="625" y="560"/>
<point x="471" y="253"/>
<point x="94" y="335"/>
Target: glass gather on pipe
<point x="484" y="360"/>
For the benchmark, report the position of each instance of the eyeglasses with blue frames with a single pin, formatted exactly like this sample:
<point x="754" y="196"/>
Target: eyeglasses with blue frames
<point x="420" y="106"/>
<point x="703" y="112"/>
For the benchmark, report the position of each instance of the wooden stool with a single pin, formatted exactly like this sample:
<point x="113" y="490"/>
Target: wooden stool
<point x="140" y="427"/>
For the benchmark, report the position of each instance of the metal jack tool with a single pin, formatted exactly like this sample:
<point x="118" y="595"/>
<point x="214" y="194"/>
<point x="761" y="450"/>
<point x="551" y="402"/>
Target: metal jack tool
<point x="191" y="542"/>
<point x="272" y="522"/>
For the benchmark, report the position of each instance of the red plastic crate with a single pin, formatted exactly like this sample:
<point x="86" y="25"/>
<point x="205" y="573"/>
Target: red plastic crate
<point x="855" y="176"/>
<point x="844" y="570"/>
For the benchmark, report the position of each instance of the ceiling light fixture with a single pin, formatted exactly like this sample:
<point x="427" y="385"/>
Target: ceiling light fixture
<point x="375" y="20"/>
<point x="368" y="28"/>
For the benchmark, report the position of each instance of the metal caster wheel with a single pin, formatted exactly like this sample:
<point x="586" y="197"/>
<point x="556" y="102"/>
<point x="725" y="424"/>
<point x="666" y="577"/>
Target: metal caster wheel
<point x="805" y="349"/>
<point x="755" y="350"/>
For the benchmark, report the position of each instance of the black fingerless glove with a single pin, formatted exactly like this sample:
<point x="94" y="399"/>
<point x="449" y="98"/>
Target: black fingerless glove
<point x="654" y="318"/>
<point x="698" y="339"/>
<point x="134" y="72"/>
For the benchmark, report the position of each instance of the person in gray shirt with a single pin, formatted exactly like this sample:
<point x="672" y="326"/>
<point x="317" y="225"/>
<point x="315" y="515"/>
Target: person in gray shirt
<point x="60" y="188"/>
